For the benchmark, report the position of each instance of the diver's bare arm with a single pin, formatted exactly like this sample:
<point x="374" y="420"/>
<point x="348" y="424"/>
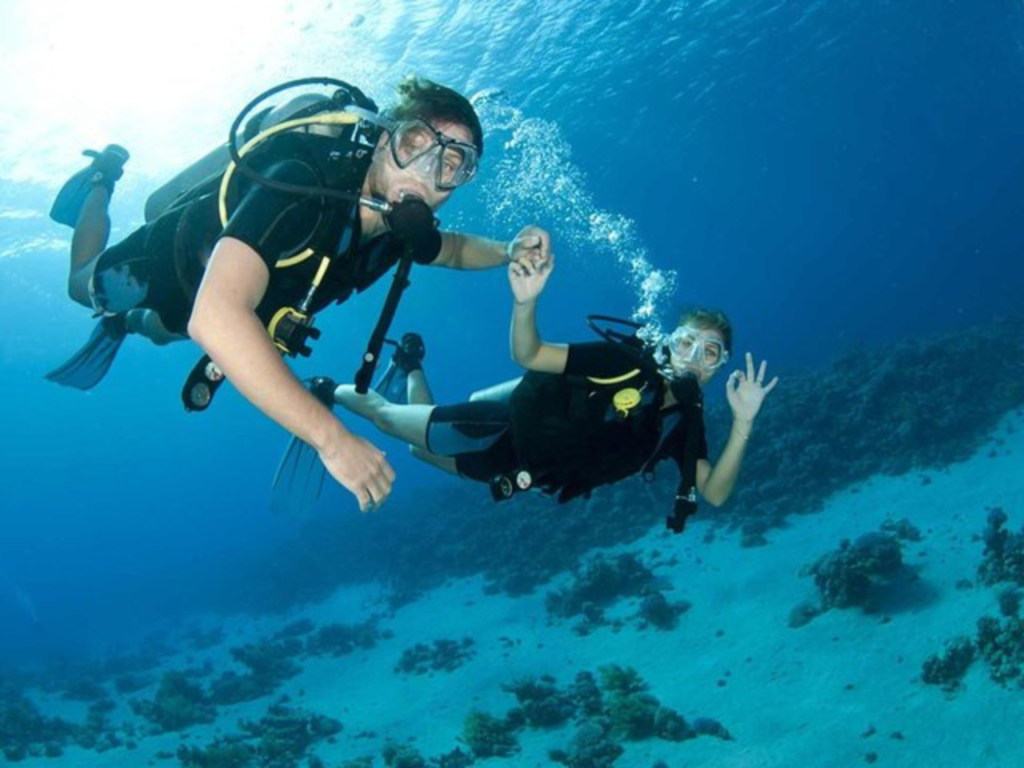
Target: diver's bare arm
<point x="745" y="390"/>
<point x="224" y="323"/>
<point x="464" y="251"/>
<point x="716" y="483"/>
<point x="528" y="349"/>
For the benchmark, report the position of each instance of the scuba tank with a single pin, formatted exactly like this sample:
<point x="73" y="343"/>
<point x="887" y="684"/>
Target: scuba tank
<point x="211" y="166"/>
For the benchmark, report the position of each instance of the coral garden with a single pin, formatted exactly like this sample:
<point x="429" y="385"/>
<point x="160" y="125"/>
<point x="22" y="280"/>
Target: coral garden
<point x="184" y="698"/>
<point x="998" y="641"/>
<point x="598" y="713"/>
<point x="615" y="707"/>
<point x="852" y="574"/>
<point x="440" y="656"/>
<point x="603" y="581"/>
<point x="1004" y="551"/>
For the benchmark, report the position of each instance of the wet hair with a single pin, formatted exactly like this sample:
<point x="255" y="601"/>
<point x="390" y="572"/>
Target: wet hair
<point x="425" y="99"/>
<point x="709" y="320"/>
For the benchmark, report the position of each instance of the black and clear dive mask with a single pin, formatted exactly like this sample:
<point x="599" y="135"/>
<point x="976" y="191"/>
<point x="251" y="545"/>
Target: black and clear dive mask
<point x="451" y="163"/>
<point x="692" y="350"/>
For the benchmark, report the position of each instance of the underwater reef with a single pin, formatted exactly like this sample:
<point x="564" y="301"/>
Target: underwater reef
<point x="176" y="700"/>
<point x="605" y="710"/>
<point x="604" y="581"/>
<point x="600" y="711"/>
<point x="280" y="739"/>
<point x="998" y="641"/>
<point x="440" y="656"/>
<point x="848" y="576"/>
<point x="1004" y="551"/>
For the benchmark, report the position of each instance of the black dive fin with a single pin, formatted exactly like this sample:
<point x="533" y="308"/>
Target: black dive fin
<point x="298" y="481"/>
<point x="392" y="384"/>
<point x="300" y="475"/>
<point x="90" y="364"/>
<point x="408" y="357"/>
<point x="105" y="169"/>
<point x="71" y="198"/>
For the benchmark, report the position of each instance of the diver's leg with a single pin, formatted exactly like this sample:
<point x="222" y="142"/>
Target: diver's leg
<point x="92" y="231"/>
<point x="447" y="463"/>
<point x="407" y="423"/>
<point x="82" y="204"/>
<point x="418" y="389"/>
<point x="147" y="323"/>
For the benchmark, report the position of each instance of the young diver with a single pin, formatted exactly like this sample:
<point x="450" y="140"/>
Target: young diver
<point x="320" y="202"/>
<point x="587" y="414"/>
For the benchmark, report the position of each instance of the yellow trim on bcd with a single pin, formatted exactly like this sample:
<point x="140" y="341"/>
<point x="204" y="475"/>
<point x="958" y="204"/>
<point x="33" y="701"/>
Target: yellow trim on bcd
<point x="329" y="118"/>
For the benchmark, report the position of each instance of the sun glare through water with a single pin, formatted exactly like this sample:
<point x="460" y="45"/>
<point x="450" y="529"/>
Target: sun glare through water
<point x="80" y="79"/>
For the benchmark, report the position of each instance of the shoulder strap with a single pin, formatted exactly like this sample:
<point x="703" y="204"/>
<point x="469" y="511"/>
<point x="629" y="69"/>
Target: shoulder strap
<point x="686" y="494"/>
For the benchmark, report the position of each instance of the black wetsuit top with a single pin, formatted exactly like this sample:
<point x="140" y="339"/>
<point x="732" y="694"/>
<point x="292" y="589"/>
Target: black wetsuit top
<point x="563" y="430"/>
<point x="169" y="253"/>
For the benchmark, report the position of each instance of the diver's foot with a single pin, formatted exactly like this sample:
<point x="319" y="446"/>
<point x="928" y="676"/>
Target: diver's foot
<point x="367" y="406"/>
<point x="107" y="166"/>
<point x="323" y="388"/>
<point x="104" y="171"/>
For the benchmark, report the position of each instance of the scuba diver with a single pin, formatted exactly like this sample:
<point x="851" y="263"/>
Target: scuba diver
<point x="324" y="197"/>
<point x="586" y="414"/>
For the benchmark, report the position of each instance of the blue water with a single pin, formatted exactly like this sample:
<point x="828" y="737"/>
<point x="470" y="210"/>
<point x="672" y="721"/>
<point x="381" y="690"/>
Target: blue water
<point x="834" y="175"/>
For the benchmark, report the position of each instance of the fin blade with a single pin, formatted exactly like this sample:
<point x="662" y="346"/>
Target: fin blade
<point x="393" y="384"/>
<point x="298" y="481"/>
<point x="87" y="367"/>
<point x="68" y="204"/>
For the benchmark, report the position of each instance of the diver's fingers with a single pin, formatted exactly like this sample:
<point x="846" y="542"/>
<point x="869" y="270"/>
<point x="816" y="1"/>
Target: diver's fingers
<point x="527" y="240"/>
<point x="750" y="367"/>
<point x="544" y="241"/>
<point x="545" y="264"/>
<point x="517" y="269"/>
<point x="761" y="371"/>
<point x="771" y="385"/>
<point x="372" y="503"/>
<point x="379" y="485"/>
<point x="365" y="499"/>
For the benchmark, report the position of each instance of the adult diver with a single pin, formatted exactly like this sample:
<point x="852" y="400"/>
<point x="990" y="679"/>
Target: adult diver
<point x="324" y="197"/>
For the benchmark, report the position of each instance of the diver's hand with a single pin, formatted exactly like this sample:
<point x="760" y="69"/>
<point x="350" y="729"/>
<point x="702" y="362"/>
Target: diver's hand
<point x="528" y="276"/>
<point x="532" y="244"/>
<point x="361" y="467"/>
<point x="747" y="390"/>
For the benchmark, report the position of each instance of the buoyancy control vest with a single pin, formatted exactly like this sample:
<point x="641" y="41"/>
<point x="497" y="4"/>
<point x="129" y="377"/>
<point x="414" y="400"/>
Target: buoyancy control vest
<point x="340" y="169"/>
<point x="574" y="433"/>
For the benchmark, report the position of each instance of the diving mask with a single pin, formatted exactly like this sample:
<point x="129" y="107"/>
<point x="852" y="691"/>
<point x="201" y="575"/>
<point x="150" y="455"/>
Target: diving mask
<point x="696" y="349"/>
<point x="451" y="163"/>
